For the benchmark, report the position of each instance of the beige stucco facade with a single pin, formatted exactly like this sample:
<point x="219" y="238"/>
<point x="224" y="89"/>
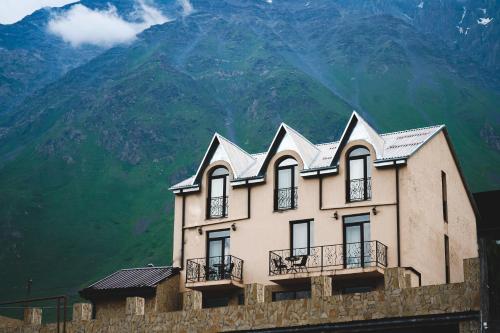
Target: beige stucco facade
<point x="260" y="229"/>
<point x="423" y="227"/>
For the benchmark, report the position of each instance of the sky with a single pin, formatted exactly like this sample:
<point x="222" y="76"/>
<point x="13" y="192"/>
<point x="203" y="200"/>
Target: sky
<point x="79" y="25"/>
<point x="12" y="11"/>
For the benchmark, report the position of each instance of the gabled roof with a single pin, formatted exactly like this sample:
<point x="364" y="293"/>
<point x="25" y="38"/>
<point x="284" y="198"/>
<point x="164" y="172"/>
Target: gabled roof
<point x="288" y="138"/>
<point x="403" y="144"/>
<point x="358" y="129"/>
<point x="388" y="147"/>
<point x="221" y="148"/>
<point x="130" y="279"/>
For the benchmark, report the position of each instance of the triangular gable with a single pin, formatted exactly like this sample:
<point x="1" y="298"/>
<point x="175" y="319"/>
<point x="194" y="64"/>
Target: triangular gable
<point x="221" y="148"/>
<point x="287" y="138"/>
<point x="358" y="129"/>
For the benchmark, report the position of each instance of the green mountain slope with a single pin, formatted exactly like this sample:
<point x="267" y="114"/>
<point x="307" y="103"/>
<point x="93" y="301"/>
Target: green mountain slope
<point x="85" y="163"/>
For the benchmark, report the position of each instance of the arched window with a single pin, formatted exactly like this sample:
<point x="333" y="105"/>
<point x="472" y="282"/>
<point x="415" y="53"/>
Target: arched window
<point x="285" y="189"/>
<point x="358" y="180"/>
<point x="217" y="193"/>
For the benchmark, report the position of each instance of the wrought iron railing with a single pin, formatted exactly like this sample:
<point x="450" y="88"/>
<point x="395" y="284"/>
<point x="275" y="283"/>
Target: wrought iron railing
<point x="217" y="207"/>
<point x="359" y="189"/>
<point x="328" y="257"/>
<point x="214" y="268"/>
<point x="285" y="198"/>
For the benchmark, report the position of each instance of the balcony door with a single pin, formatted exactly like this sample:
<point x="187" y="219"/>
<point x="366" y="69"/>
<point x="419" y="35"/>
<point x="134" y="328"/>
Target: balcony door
<point x="357" y="241"/>
<point x="218" y="255"/>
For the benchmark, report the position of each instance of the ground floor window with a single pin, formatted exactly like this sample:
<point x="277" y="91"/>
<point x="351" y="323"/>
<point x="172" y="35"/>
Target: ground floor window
<point x="214" y="301"/>
<point x="357" y="289"/>
<point x="290" y="295"/>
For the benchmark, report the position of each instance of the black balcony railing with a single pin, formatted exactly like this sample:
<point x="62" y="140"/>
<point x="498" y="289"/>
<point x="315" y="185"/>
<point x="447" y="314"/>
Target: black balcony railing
<point x="214" y="268"/>
<point x="285" y="198"/>
<point x="359" y="189"/>
<point x="217" y="207"/>
<point x="328" y="257"/>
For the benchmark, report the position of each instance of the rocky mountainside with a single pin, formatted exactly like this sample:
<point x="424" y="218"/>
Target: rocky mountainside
<point x="86" y="161"/>
<point x="31" y="57"/>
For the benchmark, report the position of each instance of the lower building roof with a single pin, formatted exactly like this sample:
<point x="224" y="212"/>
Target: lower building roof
<point x="130" y="281"/>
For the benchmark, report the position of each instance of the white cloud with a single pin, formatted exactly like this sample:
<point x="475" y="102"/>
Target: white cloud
<point x="12" y="11"/>
<point x="187" y="7"/>
<point x="81" y="25"/>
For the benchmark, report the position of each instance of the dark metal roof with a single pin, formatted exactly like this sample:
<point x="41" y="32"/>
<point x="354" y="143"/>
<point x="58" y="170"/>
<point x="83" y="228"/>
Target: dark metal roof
<point x="131" y="279"/>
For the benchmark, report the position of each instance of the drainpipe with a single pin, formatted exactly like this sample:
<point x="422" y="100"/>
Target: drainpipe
<point x="183" y="218"/>
<point x="320" y="192"/>
<point x="397" y="216"/>
<point x="249" y="190"/>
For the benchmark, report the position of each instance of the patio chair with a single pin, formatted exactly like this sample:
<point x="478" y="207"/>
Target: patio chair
<point x="210" y="273"/>
<point x="279" y="265"/>
<point x="302" y="264"/>
<point x="228" y="272"/>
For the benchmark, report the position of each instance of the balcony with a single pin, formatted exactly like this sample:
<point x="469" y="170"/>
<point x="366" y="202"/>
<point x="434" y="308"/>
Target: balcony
<point x="217" y="207"/>
<point x="214" y="273"/>
<point x="359" y="189"/>
<point x="285" y="198"/>
<point x="362" y="258"/>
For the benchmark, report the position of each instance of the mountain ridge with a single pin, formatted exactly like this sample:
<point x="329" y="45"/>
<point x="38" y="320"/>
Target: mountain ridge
<point x="86" y="161"/>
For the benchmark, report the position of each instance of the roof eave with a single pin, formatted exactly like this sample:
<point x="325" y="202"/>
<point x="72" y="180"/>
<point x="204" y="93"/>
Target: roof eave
<point x="379" y="163"/>
<point x="460" y="172"/>
<point x="314" y="172"/>
<point x="91" y="293"/>
<point x="185" y="189"/>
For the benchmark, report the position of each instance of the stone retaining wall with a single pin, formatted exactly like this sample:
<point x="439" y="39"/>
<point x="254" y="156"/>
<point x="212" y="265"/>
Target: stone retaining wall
<point x="395" y="301"/>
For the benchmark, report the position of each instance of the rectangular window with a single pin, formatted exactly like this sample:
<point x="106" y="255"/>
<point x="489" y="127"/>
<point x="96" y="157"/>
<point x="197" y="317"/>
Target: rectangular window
<point x="214" y="302"/>
<point x="447" y="258"/>
<point x="291" y="295"/>
<point x="357" y="289"/>
<point x="444" y="194"/>
<point x="300" y="237"/>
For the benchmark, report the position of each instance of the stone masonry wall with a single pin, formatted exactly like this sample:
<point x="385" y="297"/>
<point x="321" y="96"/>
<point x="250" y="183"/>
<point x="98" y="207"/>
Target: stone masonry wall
<point x="8" y="322"/>
<point x="396" y="300"/>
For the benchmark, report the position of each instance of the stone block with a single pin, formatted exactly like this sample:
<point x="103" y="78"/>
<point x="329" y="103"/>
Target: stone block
<point x="192" y="300"/>
<point x="33" y="316"/>
<point x="395" y="278"/>
<point x="254" y="293"/>
<point x="135" y="306"/>
<point x="472" y="272"/>
<point x="82" y="311"/>
<point x="470" y="326"/>
<point x="321" y="286"/>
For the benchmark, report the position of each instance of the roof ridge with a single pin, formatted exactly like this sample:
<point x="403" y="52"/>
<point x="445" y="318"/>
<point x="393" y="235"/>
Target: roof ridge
<point x="327" y="143"/>
<point x="299" y="134"/>
<point x="413" y="129"/>
<point x="234" y="144"/>
<point x="262" y="153"/>
<point x="152" y="267"/>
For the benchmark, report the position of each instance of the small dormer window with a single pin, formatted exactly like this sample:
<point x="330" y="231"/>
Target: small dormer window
<point x="358" y="182"/>
<point x="285" y="191"/>
<point x="217" y="200"/>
